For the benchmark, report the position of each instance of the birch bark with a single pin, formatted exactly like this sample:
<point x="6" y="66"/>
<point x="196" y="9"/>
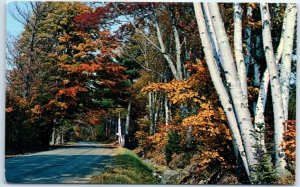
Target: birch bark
<point x="238" y="49"/>
<point x="240" y="102"/>
<point x="218" y="84"/>
<point x="276" y="91"/>
<point x="178" y="52"/>
<point x="167" y="111"/>
<point x="163" y="51"/>
<point x="127" y="119"/>
<point x="211" y="33"/>
<point x="286" y="65"/>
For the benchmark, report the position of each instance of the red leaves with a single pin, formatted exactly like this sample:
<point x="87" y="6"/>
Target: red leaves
<point x="71" y="92"/>
<point x="93" y="67"/>
<point x="85" y="21"/>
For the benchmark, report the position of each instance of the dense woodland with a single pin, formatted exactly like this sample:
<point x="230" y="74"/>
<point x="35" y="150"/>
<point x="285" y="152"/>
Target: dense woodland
<point x="208" y="88"/>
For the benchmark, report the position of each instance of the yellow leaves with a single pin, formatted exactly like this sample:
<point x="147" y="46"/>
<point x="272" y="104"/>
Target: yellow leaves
<point x="80" y="54"/>
<point x="36" y="110"/>
<point x="208" y="157"/>
<point x="57" y="104"/>
<point x="63" y="58"/>
<point x="177" y="91"/>
<point x="65" y="81"/>
<point x="61" y="105"/>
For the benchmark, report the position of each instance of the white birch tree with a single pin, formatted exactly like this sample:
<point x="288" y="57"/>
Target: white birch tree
<point x="287" y="53"/>
<point x="218" y="84"/>
<point x="275" y="90"/>
<point x="238" y="48"/>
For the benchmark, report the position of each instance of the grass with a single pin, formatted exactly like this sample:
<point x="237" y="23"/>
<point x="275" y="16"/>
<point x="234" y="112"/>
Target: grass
<point x="127" y="168"/>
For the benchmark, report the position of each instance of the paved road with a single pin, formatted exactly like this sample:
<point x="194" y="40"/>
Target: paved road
<point x="69" y="164"/>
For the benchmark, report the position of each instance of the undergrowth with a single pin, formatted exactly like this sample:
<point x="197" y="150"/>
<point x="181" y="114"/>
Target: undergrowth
<point x="127" y="168"/>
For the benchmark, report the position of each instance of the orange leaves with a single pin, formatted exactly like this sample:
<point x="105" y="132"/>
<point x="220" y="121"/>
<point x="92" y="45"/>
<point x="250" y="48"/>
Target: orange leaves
<point x="107" y="83"/>
<point x="9" y="109"/>
<point x="72" y="91"/>
<point x="209" y="156"/>
<point x="36" y="109"/>
<point x="290" y="140"/>
<point x="189" y="90"/>
<point x="65" y="38"/>
<point x="114" y="68"/>
<point x="82" y="67"/>
<point x="57" y="104"/>
<point x="178" y="91"/>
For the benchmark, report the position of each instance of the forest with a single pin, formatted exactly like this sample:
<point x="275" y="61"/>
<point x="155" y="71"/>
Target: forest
<point x="206" y="88"/>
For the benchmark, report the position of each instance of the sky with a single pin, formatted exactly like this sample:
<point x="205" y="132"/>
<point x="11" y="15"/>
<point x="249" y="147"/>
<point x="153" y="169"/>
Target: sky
<point x="13" y="27"/>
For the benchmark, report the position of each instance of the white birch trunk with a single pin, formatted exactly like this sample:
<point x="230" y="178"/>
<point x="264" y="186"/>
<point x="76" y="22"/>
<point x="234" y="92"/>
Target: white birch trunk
<point x="219" y="86"/>
<point x="238" y="49"/>
<point x="151" y="113"/>
<point x="240" y="102"/>
<point x="167" y="111"/>
<point x="259" y="119"/>
<point x="127" y="119"/>
<point x="264" y="85"/>
<point x="164" y="52"/>
<point x="119" y="130"/>
<point x="286" y="64"/>
<point x="53" y="137"/>
<point x="178" y="52"/>
<point x="279" y="51"/>
<point x="211" y="33"/>
<point x="276" y="91"/>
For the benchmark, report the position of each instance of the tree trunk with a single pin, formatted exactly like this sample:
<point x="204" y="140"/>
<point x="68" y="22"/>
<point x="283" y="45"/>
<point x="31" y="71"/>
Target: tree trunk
<point x="178" y="52"/>
<point x="164" y="52"/>
<point x="276" y="92"/>
<point x="119" y="130"/>
<point x="219" y="86"/>
<point x="151" y="113"/>
<point x="240" y="102"/>
<point x="238" y="49"/>
<point x="53" y="137"/>
<point x="167" y="111"/>
<point x="212" y="34"/>
<point x="286" y="64"/>
<point x="127" y="119"/>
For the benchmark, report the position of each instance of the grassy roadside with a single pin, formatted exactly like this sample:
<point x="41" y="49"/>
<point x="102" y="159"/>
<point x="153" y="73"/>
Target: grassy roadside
<point x="127" y="168"/>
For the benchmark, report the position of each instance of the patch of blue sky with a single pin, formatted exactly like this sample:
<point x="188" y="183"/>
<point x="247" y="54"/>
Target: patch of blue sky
<point x="13" y="27"/>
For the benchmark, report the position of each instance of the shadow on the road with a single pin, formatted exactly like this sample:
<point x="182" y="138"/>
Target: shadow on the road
<point x="53" y="169"/>
<point x="84" y="146"/>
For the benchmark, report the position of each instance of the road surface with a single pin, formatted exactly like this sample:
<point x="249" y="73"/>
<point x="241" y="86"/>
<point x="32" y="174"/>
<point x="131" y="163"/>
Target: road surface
<point x="69" y="164"/>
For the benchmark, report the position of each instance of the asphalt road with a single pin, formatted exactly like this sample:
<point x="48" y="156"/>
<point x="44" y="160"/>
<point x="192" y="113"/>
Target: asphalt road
<point x="69" y="164"/>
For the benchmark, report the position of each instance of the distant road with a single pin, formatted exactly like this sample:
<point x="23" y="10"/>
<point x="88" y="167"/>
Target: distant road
<point x="69" y="164"/>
